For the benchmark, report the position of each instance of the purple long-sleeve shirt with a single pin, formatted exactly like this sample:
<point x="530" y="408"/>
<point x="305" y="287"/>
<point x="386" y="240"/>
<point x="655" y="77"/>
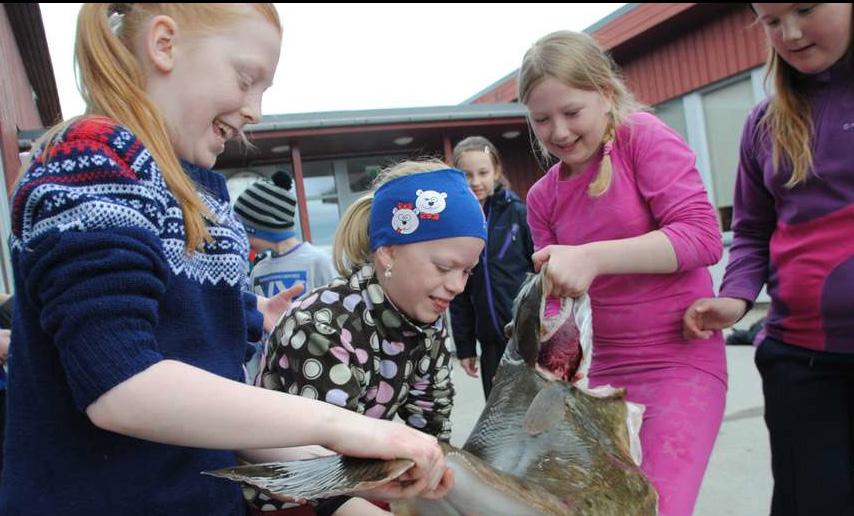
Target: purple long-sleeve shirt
<point x="800" y="240"/>
<point x="637" y="318"/>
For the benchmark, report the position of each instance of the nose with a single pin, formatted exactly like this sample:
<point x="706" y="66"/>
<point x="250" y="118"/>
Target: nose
<point x="791" y="29"/>
<point x="560" y="130"/>
<point x="251" y="111"/>
<point x="456" y="282"/>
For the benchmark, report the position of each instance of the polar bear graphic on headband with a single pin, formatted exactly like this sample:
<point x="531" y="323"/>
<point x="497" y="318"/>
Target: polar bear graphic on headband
<point x="404" y="219"/>
<point x="430" y="203"/>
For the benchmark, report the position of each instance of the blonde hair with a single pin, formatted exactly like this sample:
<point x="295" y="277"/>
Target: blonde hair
<point x="576" y="60"/>
<point x="352" y="243"/>
<point x="788" y="118"/>
<point x="112" y="83"/>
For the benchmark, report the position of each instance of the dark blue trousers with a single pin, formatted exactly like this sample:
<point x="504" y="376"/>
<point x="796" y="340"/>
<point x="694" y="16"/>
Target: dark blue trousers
<point x="809" y="408"/>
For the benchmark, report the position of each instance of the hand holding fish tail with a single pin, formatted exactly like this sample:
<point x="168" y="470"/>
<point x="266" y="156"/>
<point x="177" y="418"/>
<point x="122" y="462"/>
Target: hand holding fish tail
<point x="366" y="437"/>
<point x="405" y="486"/>
<point x="571" y="269"/>
<point x="706" y="315"/>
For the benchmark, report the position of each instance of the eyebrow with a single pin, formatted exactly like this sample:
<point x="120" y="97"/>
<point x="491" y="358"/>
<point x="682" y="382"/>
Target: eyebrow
<point x="569" y="107"/>
<point x="792" y="7"/>
<point x="450" y="262"/>
<point x="257" y="69"/>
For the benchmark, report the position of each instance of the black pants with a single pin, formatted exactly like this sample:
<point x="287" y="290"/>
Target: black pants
<point x="2" y="424"/>
<point x="809" y="411"/>
<point x="490" y="357"/>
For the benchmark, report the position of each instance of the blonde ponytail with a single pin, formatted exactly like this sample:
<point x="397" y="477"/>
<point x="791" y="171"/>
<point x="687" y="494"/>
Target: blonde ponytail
<point x="352" y="244"/>
<point x="602" y="181"/>
<point x="112" y="84"/>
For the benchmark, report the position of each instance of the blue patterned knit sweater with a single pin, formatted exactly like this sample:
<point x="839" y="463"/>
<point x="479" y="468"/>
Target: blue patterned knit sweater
<point x="105" y="290"/>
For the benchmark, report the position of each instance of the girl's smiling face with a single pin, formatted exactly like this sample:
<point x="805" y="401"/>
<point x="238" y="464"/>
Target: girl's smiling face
<point x="480" y="173"/>
<point x="570" y="122"/>
<point x="810" y="37"/>
<point x="427" y="276"/>
<point x="209" y="85"/>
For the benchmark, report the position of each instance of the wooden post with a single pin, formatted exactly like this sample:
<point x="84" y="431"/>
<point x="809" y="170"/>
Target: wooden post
<point x="302" y="202"/>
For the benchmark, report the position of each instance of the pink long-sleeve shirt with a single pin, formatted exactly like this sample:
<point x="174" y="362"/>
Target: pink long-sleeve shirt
<point x="637" y="318"/>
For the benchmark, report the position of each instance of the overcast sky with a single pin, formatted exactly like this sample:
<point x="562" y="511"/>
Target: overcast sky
<point x="373" y="56"/>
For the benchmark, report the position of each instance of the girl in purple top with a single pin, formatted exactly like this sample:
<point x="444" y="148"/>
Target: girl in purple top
<point x="793" y="226"/>
<point x="624" y="215"/>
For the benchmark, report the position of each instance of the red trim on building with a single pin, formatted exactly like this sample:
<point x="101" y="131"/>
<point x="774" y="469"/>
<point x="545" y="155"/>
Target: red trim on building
<point x="668" y="50"/>
<point x="636" y="22"/>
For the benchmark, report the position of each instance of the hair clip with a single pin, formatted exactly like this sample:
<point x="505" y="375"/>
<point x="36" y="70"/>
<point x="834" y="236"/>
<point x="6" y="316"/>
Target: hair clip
<point x="115" y="22"/>
<point x="606" y="149"/>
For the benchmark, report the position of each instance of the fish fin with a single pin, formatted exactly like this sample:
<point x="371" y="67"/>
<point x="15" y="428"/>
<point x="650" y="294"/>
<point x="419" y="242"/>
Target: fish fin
<point x="321" y="477"/>
<point x="545" y="411"/>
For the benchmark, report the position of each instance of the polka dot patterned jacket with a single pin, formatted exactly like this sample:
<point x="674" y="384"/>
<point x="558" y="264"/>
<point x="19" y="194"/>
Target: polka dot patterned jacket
<point x="346" y="344"/>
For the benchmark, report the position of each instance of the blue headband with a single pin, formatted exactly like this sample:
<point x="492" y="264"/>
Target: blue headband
<point x="425" y="206"/>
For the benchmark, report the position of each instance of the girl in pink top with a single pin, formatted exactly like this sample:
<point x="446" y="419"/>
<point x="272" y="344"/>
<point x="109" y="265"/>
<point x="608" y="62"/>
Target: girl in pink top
<point x="624" y="216"/>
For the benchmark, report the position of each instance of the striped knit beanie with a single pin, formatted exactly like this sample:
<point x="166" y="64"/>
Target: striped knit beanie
<point x="267" y="208"/>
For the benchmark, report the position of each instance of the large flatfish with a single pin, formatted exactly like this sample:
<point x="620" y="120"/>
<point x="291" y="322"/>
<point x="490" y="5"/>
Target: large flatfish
<point x="542" y="445"/>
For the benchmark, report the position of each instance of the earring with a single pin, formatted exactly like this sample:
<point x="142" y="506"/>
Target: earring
<point x="387" y="272"/>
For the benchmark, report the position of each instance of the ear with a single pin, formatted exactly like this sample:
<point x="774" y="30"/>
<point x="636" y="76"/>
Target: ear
<point x="444" y="195"/>
<point x="608" y="95"/>
<point x="160" y="39"/>
<point x="384" y="255"/>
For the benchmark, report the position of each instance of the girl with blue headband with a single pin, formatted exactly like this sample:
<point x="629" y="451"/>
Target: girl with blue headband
<point x="374" y="342"/>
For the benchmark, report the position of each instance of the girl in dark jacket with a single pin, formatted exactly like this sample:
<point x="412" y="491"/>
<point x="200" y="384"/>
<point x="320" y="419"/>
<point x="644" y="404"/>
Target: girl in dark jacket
<point x="485" y="306"/>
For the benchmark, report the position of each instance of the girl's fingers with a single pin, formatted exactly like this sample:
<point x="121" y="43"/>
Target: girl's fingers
<point x="541" y="257"/>
<point x="445" y="485"/>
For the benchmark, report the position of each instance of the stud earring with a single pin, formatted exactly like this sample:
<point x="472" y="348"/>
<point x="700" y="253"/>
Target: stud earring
<point x="387" y="272"/>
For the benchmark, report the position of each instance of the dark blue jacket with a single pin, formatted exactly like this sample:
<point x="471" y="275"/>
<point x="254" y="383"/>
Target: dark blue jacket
<point x="486" y="305"/>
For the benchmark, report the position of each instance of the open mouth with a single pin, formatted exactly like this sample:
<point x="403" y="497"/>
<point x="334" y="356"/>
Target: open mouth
<point x="567" y="147"/>
<point x="223" y="130"/>
<point x="440" y="304"/>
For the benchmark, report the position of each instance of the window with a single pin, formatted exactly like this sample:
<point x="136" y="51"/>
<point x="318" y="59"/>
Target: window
<point x="332" y="185"/>
<point x="672" y="113"/>
<point x="239" y="182"/>
<point x="725" y="110"/>
<point x="321" y="195"/>
<point x="360" y="175"/>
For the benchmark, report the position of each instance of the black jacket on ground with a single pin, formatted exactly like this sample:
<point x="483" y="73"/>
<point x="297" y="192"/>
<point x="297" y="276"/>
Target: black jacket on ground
<point x="486" y="305"/>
